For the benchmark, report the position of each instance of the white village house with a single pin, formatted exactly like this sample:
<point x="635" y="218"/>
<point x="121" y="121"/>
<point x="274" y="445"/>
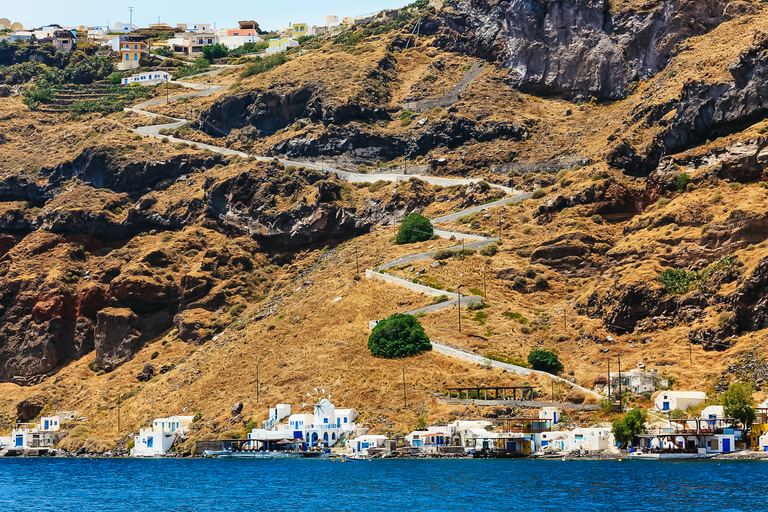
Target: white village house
<point x="361" y="444"/>
<point x="670" y="400"/>
<point x="159" y="439"/>
<point x="148" y="78"/>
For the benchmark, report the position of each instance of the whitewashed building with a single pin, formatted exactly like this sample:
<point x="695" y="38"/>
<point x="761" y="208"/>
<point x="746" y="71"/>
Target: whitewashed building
<point x="324" y="427"/>
<point x="160" y="438"/>
<point x="670" y="400"/>
<point x="148" y="78"/>
<point x="360" y="445"/>
<point x="636" y="380"/>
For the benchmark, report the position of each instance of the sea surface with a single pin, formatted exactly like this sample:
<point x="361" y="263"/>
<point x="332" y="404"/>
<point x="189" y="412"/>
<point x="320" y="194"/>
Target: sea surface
<point x="45" y="484"/>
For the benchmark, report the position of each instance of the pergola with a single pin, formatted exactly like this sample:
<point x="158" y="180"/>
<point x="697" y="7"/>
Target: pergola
<point x="497" y="392"/>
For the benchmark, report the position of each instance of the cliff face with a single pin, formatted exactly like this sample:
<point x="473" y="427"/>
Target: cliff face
<point x="575" y="48"/>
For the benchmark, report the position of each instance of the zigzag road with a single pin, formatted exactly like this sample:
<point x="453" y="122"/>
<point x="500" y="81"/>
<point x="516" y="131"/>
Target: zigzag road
<point x="476" y="242"/>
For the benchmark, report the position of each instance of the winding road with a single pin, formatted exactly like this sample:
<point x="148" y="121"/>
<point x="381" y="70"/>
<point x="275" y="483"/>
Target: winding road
<point x="475" y="241"/>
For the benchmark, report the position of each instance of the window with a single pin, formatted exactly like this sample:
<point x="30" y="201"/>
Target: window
<point x="325" y="420"/>
<point x="135" y="47"/>
<point x="345" y="420"/>
<point x="126" y="56"/>
<point x="135" y="56"/>
<point x="150" y="441"/>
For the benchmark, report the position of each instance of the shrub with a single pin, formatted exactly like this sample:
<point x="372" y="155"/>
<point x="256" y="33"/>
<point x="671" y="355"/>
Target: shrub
<point x="541" y="282"/>
<point x="539" y="193"/>
<point x="664" y="201"/>
<point x="678" y="281"/>
<point x="262" y="65"/>
<point x="520" y="282"/>
<point x="414" y="228"/>
<point x="717" y="197"/>
<point x="398" y="336"/>
<point x="530" y="272"/>
<point x="738" y="403"/>
<point x="443" y="254"/>
<point x="546" y="361"/>
<point x="724" y="318"/>
<point x="489" y="250"/>
<point x="441" y="298"/>
<point x="682" y="182"/>
<point x="597" y="219"/>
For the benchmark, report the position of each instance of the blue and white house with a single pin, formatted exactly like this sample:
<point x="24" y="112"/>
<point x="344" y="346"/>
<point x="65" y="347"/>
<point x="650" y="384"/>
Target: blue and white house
<point x="148" y="78"/>
<point x="322" y="428"/>
<point x="159" y="439"/>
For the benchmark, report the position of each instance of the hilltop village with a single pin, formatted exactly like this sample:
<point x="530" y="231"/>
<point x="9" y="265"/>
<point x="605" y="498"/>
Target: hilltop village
<point x="480" y="229"/>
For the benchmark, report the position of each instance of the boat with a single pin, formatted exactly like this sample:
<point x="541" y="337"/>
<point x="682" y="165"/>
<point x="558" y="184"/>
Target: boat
<point x="669" y="455"/>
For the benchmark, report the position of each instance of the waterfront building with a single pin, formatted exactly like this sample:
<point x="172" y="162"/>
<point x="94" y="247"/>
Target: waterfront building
<point x="323" y="428"/>
<point x="360" y="445"/>
<point x="160" y="438"/>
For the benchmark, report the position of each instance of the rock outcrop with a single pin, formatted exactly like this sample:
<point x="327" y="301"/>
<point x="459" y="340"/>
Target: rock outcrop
<point x="577" y="48"/>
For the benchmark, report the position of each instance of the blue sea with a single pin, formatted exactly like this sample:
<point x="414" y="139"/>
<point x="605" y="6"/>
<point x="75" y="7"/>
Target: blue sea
<point x="50" y="484"/>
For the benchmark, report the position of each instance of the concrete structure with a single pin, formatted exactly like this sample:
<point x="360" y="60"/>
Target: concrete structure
<point x="578" y="439"/>
<point x="64" y="41"/>
<point x="98" y="32"/>
<point x="280" y="44"/>
<point x="331" y="20"/>
<point x="232" y="42"/>
<point x="360" y="445"/>
<point x="670" y="400"/>
<point x="200" y="28"/>
<point x="160" y="438"/>
<point x="191" y="43"/>
<point x="551" y="414"/>
<point x="45" y="434"/>
<point x="636" y="380"/>
<point x="123" y="27"/>
<point x="5" y="23"/>
<point x="148" y="78"/>
<point x="299" y="30"/>
<point x="132" y="50"/>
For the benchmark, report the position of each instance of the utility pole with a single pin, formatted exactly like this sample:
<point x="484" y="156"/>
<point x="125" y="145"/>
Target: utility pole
<point x="609" y="382"/>
<point x="257" y="383"/>
<point x="166" y="90"/>
<point x="405" y="397"/>
<point x="458" y="292"/>
<point x="357" y="264"/>
<point x="118" y="414"/>
<point x="485" y="288"/>
<point x="690" y="351"/>
<point x="619" y="356"/>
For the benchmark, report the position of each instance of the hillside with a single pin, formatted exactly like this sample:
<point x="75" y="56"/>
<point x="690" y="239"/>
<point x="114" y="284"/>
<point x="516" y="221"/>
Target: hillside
<point x="640" y="127"/>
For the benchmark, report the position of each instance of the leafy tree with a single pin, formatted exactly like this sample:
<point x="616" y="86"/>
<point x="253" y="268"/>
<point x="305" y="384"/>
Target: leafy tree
<point x="215" y="51"/>
<point x="545" y="361"/>
<point x="165" y="51"/>
<point x="632" y="424"/>
<point x="738" y="404"/>
<point x="398" y="336"/>
<point x="414" y="228"/>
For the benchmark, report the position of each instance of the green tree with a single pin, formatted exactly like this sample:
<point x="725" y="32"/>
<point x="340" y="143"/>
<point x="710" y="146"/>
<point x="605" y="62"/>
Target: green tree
<point x="738" y="403"/>
<point x="398" y="336"/>
<point x="414" y="228"/>
<point x="632" y="424"/>
<point x="215" y="51"/>
<point x="545" y="361"/>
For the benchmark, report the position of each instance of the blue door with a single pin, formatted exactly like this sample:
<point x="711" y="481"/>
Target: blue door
<point x="666" y="406"/>
<point x="19" y="441"/>
<point x="726" y="445"/>
<point x="46" y="425"/>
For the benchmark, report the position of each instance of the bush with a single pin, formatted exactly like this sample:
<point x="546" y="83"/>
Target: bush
<point x="414" y="228"/>
<point x="398" y="336"/>
<point x="214" y="51"/>
<point x="539" y="193"/>
<point x="262" y="65"/>
<point x="441" y="298"/>
<point x="541" y="283"/>
<point x="443" y="254"/>
<point x="489" y="250"/>
<point x="682" y="182"/>
<point x="679" y="281"/>
<point x="545" y="361"/>
<point x="724" y="318"/>
<point x="738" y="403"/>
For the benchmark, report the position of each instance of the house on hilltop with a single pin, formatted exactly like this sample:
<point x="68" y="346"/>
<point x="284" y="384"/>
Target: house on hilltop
<point x="64" y="41"/>
<point x="160" y="438"/>
<point x="132" y="50"/>
<point x="670" y="400"/>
